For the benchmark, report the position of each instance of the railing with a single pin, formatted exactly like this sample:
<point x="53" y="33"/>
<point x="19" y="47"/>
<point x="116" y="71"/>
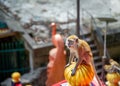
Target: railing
<point x="97" y="32"/>
<point x="12" y="58"/>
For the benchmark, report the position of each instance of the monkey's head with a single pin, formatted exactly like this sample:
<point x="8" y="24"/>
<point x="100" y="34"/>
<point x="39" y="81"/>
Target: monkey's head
<point x="72" y="42"/>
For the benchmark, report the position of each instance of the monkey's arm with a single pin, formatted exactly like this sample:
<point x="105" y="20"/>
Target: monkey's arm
<point x="79" y="61"/>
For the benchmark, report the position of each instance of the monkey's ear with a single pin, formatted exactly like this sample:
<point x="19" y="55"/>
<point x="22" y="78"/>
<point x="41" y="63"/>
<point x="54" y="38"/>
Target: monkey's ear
<point x="76" y="40"/>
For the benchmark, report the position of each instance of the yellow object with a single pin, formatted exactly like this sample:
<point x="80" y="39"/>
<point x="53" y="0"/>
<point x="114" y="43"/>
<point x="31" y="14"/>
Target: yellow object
<point x="113" y="78"/>
<point x="16" y="76"/>
<point x="83" y="76"/>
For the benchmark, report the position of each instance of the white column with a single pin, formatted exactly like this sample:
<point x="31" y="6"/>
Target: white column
<point x="105" y="39"/>
<point x="30" y="57"/>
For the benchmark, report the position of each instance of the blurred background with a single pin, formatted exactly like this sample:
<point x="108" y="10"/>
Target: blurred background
<point x="25" y="33"/>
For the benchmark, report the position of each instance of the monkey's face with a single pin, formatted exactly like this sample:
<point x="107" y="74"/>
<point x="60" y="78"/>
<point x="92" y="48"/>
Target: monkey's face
<point x="69" y="43"/>
<point x="72" y="42"/>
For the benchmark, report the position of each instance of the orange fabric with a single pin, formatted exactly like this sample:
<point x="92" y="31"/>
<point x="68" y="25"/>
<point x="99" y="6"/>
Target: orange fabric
<point x="57" y="60"/>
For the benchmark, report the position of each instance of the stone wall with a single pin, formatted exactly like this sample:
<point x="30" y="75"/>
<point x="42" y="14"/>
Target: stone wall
<point x="114" y="53"/>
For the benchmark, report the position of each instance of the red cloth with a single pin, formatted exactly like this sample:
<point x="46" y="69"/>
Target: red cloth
<point x="59" y="83"/>
<point x="18" y="85"/>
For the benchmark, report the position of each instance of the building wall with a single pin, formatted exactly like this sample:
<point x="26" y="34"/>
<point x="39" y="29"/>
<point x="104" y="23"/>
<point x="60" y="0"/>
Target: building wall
<point x="40" y="57"/>
<point x="115" y="52"/>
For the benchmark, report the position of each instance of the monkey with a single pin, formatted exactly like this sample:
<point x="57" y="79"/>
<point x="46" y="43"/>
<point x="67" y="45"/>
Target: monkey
<point x="114" y="65"/>
<point x="82" y="51"/>
<point x="74" y="44"/>
<point x="112" y="62"/>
